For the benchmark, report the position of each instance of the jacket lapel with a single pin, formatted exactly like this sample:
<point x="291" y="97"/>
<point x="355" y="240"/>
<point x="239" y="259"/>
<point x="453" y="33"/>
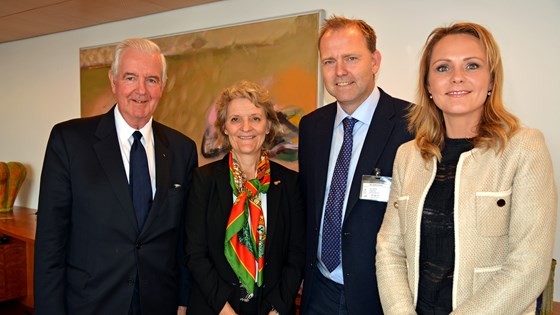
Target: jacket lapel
<point x="273" y="197"/>
<point x="223" y="188"/>
<point x="109" y="155"/>
<point x="322" y="151"/>
<point x="163" y="159"/>
<point x="378" y="134"/>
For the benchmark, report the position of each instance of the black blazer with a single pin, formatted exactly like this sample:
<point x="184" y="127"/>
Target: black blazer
<point x="208" y="210"/>
<point x="363" y="218"/>
<point x="88" y="249"/>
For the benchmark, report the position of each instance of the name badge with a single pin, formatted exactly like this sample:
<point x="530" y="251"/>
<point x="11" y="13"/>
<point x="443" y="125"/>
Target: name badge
<point x="376" y="188"/>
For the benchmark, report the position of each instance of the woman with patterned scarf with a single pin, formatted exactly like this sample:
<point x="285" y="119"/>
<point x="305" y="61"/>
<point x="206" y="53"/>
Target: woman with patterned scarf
<point x="245" y="222"/>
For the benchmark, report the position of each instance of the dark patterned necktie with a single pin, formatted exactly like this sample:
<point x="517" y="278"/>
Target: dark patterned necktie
<point x="140" y="184"/>
<point x="332" y="223"/>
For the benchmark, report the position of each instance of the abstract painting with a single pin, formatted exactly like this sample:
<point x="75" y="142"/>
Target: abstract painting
<point x="280" y="54"/>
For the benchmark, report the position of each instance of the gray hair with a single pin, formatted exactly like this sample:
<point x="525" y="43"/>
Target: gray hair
<point x="142" y="45"/>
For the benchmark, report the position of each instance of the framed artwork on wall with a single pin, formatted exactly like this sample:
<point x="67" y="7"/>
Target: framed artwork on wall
<point x="280" y="54"/>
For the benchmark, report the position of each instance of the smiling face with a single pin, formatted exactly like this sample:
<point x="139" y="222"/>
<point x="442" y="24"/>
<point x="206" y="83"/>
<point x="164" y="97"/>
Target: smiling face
<point x="459" y="80"/>
<point x="138" y="86"/>
<point x="348" y="66"/>
<point x="246" y="127"/>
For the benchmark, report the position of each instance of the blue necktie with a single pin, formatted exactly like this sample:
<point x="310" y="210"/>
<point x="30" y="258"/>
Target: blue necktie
<point x="332" y="223"/>
<point x="140" y="183"/>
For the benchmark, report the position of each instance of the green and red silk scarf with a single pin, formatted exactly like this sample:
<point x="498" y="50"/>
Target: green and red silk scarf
<point x="244" y="242"/>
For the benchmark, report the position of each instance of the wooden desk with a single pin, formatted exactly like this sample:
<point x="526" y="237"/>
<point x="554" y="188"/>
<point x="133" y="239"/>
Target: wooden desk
<point x="21" y="224"/>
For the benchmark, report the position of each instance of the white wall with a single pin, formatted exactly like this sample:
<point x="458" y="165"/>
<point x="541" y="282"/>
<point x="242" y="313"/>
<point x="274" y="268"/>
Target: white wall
<point x="39" y="77"/>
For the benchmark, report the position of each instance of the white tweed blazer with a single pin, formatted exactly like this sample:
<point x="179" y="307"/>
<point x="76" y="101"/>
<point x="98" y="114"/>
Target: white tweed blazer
<point x="504" y="218"/>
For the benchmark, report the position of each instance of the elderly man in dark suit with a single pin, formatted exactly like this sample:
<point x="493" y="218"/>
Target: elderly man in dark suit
<point x="346" y="152"/>
<point x="112" y="200"/>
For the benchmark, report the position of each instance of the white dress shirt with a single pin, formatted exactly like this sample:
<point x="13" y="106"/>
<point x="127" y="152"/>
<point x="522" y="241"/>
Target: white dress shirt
<point x="124" y="133"/>
<point x="364" y="115"/>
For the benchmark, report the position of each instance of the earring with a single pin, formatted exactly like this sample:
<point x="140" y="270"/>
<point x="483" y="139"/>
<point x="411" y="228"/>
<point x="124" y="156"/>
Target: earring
<point x="430" y="96"/>
<point x="489" y="93"/>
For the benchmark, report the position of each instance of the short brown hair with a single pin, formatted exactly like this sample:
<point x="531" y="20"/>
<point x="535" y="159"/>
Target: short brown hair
<point x="339" y="23"/>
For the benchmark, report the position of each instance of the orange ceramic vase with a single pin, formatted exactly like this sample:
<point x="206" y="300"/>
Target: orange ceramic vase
<point x="12" y="175"/>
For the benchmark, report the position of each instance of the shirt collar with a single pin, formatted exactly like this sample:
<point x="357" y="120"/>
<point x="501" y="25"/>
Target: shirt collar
<point x="124" y="131"/>
<point x="364" y="112"/>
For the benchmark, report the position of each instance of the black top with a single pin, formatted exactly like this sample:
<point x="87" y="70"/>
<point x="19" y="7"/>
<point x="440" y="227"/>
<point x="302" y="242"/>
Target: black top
<point x="437" y="243"/>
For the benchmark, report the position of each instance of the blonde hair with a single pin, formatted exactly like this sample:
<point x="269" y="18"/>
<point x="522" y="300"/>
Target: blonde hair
<point x="259" y="97"/>
<point x="496" y="124"/>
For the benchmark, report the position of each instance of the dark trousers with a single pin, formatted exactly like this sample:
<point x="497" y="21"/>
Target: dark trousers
<point x="326" y="297"/>
<point x="135" y="303"/>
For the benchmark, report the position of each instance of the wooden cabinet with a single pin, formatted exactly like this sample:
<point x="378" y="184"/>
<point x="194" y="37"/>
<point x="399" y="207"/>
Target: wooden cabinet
<point x="16" y="256"/>
<point x="13" y="275"/>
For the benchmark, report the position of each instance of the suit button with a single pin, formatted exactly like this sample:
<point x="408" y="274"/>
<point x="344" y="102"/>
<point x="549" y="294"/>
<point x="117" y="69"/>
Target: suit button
<point x="138" y="245"/>
<point x="130" y="282"/>
<point x="396" y="204"/>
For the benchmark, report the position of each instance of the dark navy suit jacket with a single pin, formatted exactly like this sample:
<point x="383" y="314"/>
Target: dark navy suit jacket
<point x="88" y="249"/>
<point x="363" y="218"/>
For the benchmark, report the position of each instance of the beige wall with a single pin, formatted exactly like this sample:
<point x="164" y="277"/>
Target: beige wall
<point x="39" y="77"/>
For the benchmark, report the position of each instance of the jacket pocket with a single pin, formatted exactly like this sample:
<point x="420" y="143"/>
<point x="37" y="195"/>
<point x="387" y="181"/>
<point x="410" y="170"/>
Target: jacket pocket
<point x="402" y="208"/>
<point x="493" y="212"/>
<point x="483" y="275"/>
<point x="176" y="198"/>
<point x="77" y="278"/>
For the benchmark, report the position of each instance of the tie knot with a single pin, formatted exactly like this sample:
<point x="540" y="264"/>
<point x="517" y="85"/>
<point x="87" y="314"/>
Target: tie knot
<point x="137" y="135"/>
<point x="348" y="123"/>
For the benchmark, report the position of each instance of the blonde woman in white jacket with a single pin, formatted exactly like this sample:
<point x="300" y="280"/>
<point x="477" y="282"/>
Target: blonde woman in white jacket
<point x="471" y="219"/>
